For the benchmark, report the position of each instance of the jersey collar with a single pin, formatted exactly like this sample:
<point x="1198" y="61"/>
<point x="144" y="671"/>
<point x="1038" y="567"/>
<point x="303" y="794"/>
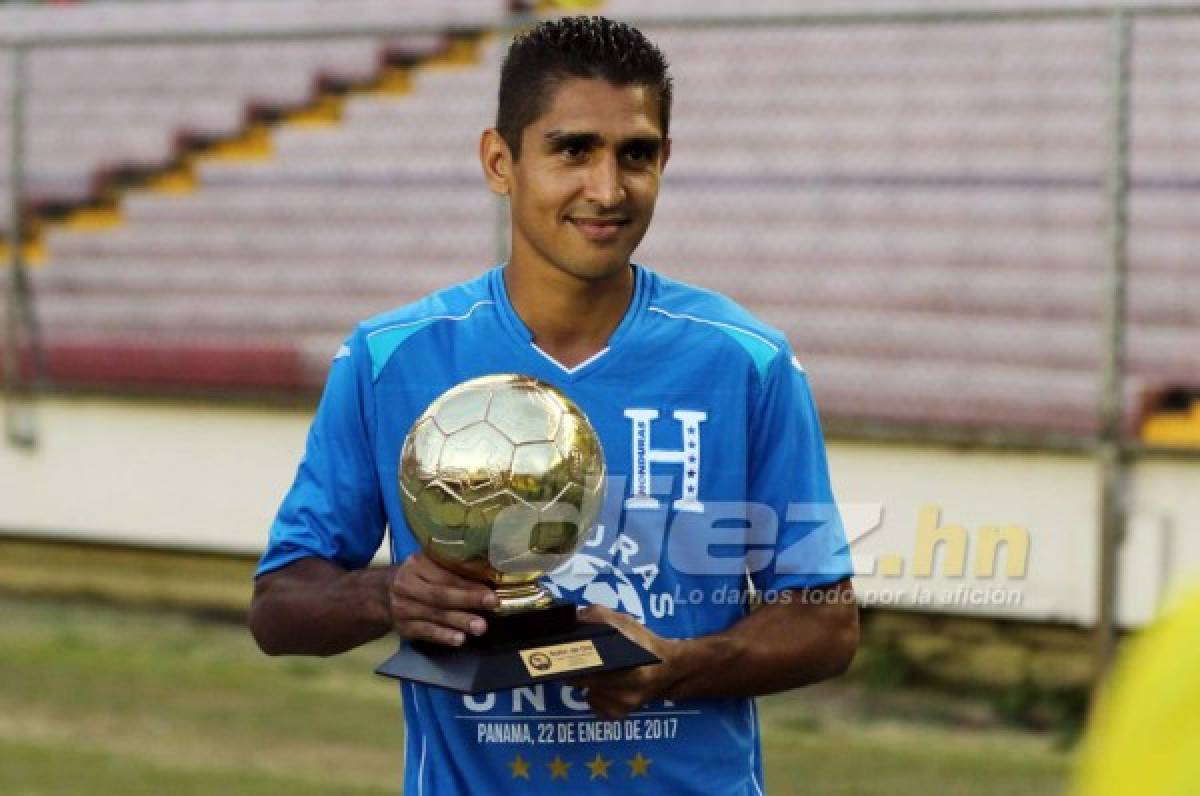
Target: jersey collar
<point x="524" y="337"/>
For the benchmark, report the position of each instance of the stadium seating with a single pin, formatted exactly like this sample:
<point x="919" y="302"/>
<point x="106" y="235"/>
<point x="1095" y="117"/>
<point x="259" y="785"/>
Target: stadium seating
<point x="921" y="208"/>
<point x="95" y="108"/>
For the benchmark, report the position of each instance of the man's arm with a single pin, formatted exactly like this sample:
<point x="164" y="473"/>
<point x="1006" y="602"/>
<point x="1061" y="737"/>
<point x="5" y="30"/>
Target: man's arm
<point x="793" y="642"/>
<point x="314" y="607"/>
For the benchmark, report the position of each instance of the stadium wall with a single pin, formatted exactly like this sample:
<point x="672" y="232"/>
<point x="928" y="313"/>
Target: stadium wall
<point x="203" y="476"/>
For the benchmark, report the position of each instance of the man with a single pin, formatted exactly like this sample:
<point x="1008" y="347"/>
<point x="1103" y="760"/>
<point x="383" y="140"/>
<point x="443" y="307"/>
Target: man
<point x="706" y="421"/>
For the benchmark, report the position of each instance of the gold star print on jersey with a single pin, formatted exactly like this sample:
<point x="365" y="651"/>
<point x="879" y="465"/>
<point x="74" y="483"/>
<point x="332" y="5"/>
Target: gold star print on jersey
<point x="559" y="768"/>
<point x="598" y="766"/>
<point x="638" y="766"/>
<point x="520" y="768"/>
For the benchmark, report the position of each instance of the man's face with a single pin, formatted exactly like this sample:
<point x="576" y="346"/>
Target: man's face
<point x="583" y="190"/>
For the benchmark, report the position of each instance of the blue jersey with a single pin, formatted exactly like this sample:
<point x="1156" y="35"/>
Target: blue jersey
<point x="718" y="479"/>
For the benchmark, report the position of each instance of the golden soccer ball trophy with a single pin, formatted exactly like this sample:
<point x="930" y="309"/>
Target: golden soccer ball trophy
<point x="501" y="479"/>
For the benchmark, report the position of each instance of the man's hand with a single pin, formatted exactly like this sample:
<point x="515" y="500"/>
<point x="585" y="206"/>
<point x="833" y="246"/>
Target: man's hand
<point x="426" y="602"/>
<point x="613" y="695"/>
<point x="314" y="607"/>
<point x="787" y="644"/>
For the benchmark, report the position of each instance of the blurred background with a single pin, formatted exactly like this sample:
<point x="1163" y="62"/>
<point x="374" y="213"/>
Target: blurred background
<point x="977" y="225"/>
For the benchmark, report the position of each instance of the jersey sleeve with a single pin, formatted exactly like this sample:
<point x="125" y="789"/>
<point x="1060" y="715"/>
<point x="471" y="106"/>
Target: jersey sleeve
<point x="790" y="474"/>
<point x="334" y="509"/>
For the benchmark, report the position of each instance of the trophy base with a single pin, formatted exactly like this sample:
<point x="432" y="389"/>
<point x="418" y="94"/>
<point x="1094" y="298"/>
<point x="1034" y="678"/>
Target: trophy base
<point x="520" y="649"/>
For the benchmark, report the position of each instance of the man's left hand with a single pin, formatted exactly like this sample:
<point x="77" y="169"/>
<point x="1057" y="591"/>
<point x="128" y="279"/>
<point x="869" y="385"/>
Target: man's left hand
<point x="613" y="695"/>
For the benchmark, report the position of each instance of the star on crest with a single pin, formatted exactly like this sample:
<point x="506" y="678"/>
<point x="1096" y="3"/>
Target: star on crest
<point x="598" y="766"/>
<point x="608" y="577"/>
<point x="520" y="767"/>
<point x="570" y="585"/>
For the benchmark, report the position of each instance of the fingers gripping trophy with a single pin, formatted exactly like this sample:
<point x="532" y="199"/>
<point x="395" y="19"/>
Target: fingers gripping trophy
<point x="501" y="479"/>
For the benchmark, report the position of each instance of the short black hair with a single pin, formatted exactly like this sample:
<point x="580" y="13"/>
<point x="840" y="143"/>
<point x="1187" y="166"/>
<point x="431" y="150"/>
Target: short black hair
<point x="557" y="49"/>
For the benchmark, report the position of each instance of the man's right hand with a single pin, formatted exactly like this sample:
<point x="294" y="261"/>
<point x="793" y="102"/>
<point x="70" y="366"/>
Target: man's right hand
<point x="314" y="607"/>
<point x="427" y="602"/>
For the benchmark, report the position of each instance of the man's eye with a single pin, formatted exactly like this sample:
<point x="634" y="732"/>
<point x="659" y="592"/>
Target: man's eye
<point x="639" y="154"/>
<point x="574" y="151"/>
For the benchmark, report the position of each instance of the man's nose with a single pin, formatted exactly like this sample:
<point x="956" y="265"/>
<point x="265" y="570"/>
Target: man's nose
<point x="604" y="186"/>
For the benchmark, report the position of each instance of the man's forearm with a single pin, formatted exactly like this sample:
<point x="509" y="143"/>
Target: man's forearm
<point x="314" y="607"/>
<point x="776" y="647"/>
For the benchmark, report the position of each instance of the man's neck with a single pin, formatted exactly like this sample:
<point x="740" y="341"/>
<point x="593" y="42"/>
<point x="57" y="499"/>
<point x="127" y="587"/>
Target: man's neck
<point x="571" y="319"/>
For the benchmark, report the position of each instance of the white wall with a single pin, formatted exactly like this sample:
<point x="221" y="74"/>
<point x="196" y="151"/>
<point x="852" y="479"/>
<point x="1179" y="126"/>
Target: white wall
<point x="188" y="474"/>
<point x="1052" y="498"/>
<point x="203" y="476"/>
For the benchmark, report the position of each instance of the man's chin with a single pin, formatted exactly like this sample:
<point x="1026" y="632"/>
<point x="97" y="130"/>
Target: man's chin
<point x="596" y="270"/>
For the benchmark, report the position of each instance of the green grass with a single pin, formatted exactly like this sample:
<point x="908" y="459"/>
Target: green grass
<point x="213" y="584"/>
<point x="104" y="693"/>
<point x="901" y="758"/>
<point x="152" y="697"/>
<point x="43" y="768"/>
<point x="107" y="700"/>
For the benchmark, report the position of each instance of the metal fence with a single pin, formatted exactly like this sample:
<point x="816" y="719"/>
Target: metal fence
<point x="972" y="224"/>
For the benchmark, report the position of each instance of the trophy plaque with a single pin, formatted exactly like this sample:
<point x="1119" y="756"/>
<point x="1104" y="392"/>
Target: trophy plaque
<point x="501" y="479"/>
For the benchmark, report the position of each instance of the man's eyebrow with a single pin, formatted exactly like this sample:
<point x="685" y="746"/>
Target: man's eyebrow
<point x="650" y="142"/>
<point x="559" y="139"/>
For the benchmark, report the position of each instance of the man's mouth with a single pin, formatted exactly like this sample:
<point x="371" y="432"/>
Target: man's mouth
<point x="599" y="229"/>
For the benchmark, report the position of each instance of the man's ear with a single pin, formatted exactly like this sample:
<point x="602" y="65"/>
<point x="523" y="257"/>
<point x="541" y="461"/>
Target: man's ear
<point x="496" y="160"/>
<point x="666" y="155"/>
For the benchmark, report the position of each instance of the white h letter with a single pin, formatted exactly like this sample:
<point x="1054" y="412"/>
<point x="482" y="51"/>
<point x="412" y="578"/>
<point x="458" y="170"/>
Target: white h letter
<point x="644" y="455"/>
